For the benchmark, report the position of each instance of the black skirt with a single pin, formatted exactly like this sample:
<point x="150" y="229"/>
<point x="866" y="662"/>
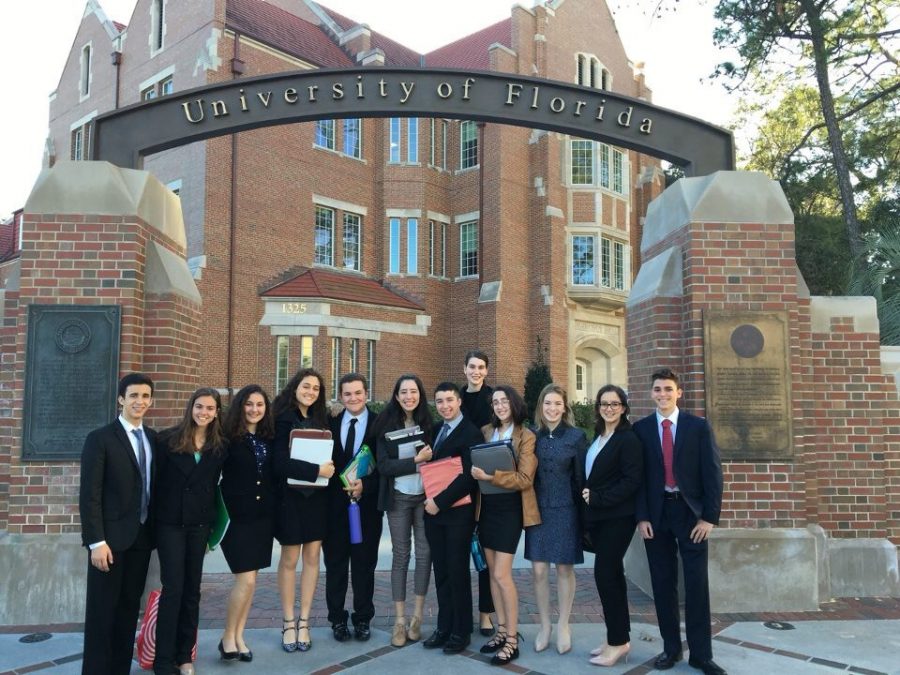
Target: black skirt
<point x="247" y="544"/>
<point x="302" y="516"/>
<point x="500" y="521"/>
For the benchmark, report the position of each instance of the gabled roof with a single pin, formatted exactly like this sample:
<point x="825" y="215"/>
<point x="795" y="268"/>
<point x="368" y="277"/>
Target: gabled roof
<point x="471" y="51"/>
<point x="282" y="30"/>
<point x="319" y="283"/>
<point x="395" y="54"/>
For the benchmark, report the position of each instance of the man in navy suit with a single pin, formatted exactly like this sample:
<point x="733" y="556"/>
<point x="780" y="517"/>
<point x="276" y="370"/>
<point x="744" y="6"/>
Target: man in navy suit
<point x="350" y="430"/>
<point x="117" y="470"/>
<point x="677" y="507"/>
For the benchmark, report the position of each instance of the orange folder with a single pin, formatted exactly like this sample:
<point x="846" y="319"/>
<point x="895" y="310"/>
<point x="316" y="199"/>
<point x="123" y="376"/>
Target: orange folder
<point x="437" y="475"/>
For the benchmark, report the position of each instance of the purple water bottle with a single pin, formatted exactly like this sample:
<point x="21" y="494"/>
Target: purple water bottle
<point x="355" y="523"/>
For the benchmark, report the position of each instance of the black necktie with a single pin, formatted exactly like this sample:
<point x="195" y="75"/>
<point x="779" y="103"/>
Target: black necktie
<point x="142" y="464"/>
<point x="441" y="436"/>
<point x="350" y="443"/>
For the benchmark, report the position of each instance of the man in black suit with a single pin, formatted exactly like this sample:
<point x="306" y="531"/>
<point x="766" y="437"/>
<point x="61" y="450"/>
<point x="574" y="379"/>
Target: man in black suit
<point x="449" y="528"/>
<point x="117" y="471"/>
<point x="677" y="507"/>
<point x="351" y="430"/>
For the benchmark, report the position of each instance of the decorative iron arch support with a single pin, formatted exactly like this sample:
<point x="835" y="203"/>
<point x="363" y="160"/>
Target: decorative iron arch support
<point x="125" y="136"/>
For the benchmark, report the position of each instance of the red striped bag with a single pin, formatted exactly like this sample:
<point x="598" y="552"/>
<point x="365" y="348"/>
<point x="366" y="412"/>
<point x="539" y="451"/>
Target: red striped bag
<point x="146" y="640"/>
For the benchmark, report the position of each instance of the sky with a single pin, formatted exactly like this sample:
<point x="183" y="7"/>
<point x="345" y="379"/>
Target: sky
<point x="677" y="50"/>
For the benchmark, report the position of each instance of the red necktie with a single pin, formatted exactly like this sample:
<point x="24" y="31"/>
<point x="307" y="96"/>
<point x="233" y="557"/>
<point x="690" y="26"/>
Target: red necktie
<point x="668" y="448"/>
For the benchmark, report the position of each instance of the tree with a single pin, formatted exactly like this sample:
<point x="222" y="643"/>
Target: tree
<point x="536" y="378"/>
<point x="846" y="47"/>
<point x="878" y="275"/>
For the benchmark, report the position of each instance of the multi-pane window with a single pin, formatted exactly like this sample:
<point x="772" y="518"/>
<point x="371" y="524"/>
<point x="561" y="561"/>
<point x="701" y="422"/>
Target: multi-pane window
<point x="78" y="143"/>
<point x="604" y="165"/>
<point x="85" y="86"/>
<point x="354" y="355"/>
<point x="468" y="145"/>
<point x="167" y="86"/>
<point x="325" y="134"/>
<point x="352" y="142"/>
<point x="412" y="140"/>
<point x="438" y="157"/>
<point x="468" y="249"/>
<point x="282" y="346"/>
<point x="394" y="246"/>
<point x="149" y="93"/>
<point x="324" y="236"/>
<point x="437" y="249"/>
<point x="352" y="230"/>
<point x="370" y="365"/>
<point x="412" y="246"/>
<point x="162" y="88"/>
<point x="158" y="24"/>
<point x="583" y="260"/>
<point x="617" y="183"/>
<point x="335" y="367"/>
<point x="394" y="140"/>
<point x="306" y="351"/>
<point x="598" y="258"/>
<point x="582" y="162"/>
<point x="589" y="72"/>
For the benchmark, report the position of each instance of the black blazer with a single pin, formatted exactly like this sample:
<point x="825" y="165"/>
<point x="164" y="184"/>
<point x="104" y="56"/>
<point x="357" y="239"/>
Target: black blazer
<point x="458" y="443"/>
<point x="185" y="492"/>
<point x="249" y="494"/>
<point x="109" y="499"/>
<point x="283" y="465"/>
<point x="369" y="498"/>
<point x="614" y="478"/>
<point x="697" y="467"/>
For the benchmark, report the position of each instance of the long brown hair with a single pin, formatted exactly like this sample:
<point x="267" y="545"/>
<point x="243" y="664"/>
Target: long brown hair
<point x="181" y="436"/>
<point x="567" y="417"/>
<point x="235" y="425"/>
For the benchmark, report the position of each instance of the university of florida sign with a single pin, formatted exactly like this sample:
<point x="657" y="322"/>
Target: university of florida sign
<point x="125" y="136"/>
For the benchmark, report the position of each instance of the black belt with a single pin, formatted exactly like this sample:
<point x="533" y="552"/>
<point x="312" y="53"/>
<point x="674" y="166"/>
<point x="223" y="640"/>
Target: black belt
<point x="672" y="496"/>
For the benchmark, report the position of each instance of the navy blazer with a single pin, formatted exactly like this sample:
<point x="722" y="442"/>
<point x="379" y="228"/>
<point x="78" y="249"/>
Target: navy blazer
<point x="697" y="467"/>
<point x="109" y="500"/>
<point x="248" y="492"/>
<point x="186" y="489"/>
<point x="614" y="478"/>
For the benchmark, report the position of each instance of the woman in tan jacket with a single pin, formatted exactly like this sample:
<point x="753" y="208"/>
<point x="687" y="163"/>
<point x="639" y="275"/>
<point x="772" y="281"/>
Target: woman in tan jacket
<point x="501" y="517"/>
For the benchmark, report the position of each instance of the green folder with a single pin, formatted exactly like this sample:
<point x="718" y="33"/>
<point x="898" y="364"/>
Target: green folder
<point x="359" y="467"/>
<point x="220" y="524"/>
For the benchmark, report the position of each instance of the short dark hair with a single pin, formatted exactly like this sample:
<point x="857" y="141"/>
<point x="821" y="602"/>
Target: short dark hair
<point x="448" y="386"/>
<point x="476" y="354"/>
<point x="665" y="374"/>
<point x="518" y="411"/>
<point x="352" y="377"/>
<point x="134" y="378"/>
<point x="599" y="422"/>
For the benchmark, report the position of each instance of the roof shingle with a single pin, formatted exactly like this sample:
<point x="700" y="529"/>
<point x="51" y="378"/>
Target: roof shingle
<point x="318" y="283"/>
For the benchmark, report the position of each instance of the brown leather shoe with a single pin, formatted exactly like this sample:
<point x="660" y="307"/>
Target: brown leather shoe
<point x="398" y="636"/>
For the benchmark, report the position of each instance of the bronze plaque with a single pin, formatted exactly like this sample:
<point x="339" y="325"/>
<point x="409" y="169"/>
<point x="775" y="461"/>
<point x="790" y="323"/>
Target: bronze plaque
<point x="748" y="386"/>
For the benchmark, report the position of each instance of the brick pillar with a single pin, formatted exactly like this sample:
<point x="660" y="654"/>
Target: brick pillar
<point x="93" y="234"/>
<point x="726" y="243"/>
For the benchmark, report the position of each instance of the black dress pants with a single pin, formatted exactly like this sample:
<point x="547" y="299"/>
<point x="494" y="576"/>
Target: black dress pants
<point x="181" y="550"/>
<point x="112" y="607"/>
<point x="362" y="559"/>
<point x="670" y="539"/>
<point x="449" y="538"/>
<point x="611" y="538"/>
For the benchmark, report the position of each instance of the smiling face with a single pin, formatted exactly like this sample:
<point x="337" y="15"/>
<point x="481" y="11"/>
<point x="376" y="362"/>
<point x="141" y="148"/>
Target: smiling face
<point x="353" y="396"/>
<point x="254" y="410"/>
<point x="476" y="370"/>
<point x="307" y="392"/>
<point x="447" y="404"/>
<point x="610" y="409"/>
<point x="553" y="407"/>
<point x="665" y="393"/>
<point x="502" y="409"/>
<point x="408" y="396"/>
<point x="136" y="402"/>
<point x="204" y="411"/>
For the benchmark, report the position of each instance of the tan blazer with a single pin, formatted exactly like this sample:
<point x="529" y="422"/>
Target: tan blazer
<point x="523" y="478"/>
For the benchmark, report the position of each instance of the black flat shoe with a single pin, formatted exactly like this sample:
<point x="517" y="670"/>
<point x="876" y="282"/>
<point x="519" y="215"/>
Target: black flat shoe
<point x="341" y="632"/>
<point x="361" y="631"/>
<point x="455" y="644"/>
<point x="495" y="643"/>
<point x="665" y="661"/>
<point x="709" y="667"/>
<point x="438" y="639"/>
<point x="227" y="656"/>
<point x="509" y="651"/>
<point x="246" y="656"/>
<point x="488" y="631"/>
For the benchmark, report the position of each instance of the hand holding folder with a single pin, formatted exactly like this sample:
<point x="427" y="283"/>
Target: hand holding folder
<point x="437" y="475"/>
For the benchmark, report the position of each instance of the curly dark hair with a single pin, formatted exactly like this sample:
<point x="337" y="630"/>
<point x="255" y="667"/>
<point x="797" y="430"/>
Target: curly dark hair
<point x="286" y="400"/>
<point x="236" y="423"/>
<point x="394" y="416"/>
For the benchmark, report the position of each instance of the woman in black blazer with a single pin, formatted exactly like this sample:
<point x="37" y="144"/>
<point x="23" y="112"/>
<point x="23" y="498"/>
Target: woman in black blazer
<point x="613" y="466"/>
<point x="302" y="513"/>
<point x="190" y="461"/>
<point x="248" y="489"/>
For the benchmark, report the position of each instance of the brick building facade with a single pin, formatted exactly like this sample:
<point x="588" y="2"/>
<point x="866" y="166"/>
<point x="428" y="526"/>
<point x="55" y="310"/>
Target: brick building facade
<point x="382" y="245"/>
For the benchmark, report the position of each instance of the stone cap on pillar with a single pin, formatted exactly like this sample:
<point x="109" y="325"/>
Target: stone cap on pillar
<point x="168" y="273"/>
<point x="103" y="189"/>
<point x="659" y="277"/>
<point x="862" y="309"/>
<point x="721" y="197"/>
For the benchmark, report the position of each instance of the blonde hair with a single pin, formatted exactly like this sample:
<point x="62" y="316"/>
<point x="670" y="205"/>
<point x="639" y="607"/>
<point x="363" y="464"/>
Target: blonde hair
<point x="553" y="388"/>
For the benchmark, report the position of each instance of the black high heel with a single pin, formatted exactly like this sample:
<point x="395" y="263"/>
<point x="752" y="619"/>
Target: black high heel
<point x="227" y="656"/>
<point x="303" y="646"/>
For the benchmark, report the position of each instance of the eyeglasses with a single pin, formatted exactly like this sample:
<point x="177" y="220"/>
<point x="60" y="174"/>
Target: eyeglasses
<point x="611" y="405"/>
<point x="500" y="402"/>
